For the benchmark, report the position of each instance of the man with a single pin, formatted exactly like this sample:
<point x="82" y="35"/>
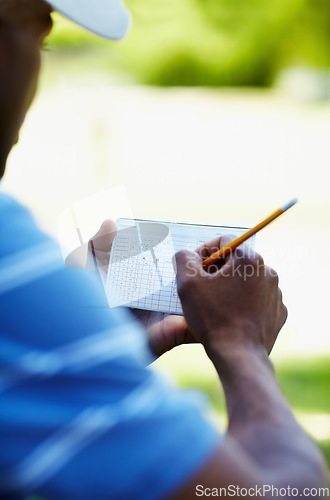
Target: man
<point x="80" y="415"/>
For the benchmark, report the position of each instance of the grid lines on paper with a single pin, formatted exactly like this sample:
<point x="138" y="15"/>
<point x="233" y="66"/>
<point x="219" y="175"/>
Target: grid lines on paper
<point x="141" y="273"/>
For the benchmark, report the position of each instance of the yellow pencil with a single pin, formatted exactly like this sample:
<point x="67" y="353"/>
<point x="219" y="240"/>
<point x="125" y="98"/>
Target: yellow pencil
<point x="224" y="251"/>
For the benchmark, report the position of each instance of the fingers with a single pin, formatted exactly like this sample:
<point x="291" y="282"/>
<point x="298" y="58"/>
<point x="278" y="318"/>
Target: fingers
<point x="285" y="313"/>
<point x="100" y="244"/>
<point x="213" y="246"/>
<point x="244" y="262"/>
<point x="284" y="310"/>
<point x="188" y="266"/>
<point x="103" y="239"/>
<point x="204" y="251"/>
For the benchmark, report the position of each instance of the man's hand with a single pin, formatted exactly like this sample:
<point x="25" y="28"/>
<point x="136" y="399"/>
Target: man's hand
<point x="165" y="331"/>
<point x="100" y="244"/>
<point x="237" y="306"/>
<point x="236" y="311"/>
<point x="233" y="311"/>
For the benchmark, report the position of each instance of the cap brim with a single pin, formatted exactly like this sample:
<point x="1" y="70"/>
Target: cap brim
<point x="107" y="18"/>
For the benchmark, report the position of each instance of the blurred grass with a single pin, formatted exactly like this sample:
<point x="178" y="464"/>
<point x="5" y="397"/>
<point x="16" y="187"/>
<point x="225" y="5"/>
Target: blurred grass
<point x="210" y="42"/>
<point x="304" y="382"/>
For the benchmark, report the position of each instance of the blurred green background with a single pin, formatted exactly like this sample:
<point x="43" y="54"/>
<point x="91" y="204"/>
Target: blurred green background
<point x="262" y="131"/>
<point x="222" y="43"/>
<point x="212" y="42"/>
<point x="304" y="382"/>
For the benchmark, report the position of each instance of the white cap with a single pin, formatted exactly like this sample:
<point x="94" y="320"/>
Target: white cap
<point x="107" y="18"/>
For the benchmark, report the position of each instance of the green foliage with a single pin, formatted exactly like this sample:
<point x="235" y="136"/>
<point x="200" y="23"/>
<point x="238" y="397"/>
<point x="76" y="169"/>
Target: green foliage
<point x="325" y="447"/>
<point x="213" y="42"/>
<point x="195" y="42"/>
<point x="306" y="384"/>
<point x="310" y="35"/>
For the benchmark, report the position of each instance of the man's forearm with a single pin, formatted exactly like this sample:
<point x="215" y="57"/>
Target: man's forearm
<point x="261" y="421"/>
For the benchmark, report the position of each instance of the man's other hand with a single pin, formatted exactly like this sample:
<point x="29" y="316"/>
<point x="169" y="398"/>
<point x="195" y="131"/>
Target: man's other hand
<point x="165" y="331"/>
<point x="100" y="244"/>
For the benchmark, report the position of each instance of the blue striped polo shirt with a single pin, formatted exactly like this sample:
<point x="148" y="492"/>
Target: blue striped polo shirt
<point x="81" y="415"/>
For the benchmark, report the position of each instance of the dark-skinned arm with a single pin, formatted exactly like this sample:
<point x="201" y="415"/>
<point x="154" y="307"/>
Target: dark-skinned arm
<point x="237" y="319"/>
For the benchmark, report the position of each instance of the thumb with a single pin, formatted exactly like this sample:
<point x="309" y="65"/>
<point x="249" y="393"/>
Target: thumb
<point x="103" y="239"/>
<point x="100" y="244"/>
<point x="187" y="265"/>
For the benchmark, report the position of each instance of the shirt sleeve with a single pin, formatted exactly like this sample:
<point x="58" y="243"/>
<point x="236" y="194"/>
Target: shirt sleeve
<point x="80" y="415"/>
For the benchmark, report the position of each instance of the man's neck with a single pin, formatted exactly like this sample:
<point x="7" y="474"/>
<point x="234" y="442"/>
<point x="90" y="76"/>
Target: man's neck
<point x="3" y="161"/>
<point x="4" y="153"/>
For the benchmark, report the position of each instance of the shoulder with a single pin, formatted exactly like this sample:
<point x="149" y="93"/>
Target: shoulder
<point x="18" y="228"/>
<point x="8" y="205"/>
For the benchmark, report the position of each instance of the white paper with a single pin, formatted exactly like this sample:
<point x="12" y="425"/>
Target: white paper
<point x="141" y="273"/>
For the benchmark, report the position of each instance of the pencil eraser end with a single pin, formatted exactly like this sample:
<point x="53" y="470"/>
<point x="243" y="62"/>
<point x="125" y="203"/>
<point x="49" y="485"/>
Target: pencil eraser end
<point x="289" y="204"/>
